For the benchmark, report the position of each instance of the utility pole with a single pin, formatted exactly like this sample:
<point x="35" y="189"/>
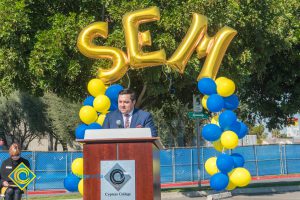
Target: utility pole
<point x="198" y="116"/>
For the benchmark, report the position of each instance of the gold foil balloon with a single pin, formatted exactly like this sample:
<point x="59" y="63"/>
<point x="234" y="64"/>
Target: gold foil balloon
<point x="214" y="49"/>
<point x="189" y="43"/>
<point x="135" y="40"/>
<point x="96" y="87"/>
<point x="196" y="37"/>
<point x="89" y="49"/>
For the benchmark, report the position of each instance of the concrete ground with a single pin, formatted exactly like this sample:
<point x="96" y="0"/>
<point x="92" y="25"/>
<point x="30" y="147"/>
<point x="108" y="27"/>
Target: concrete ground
<point x="277" y="196"/>
<point x="272" y="196"/>
<point x="290" y="192"/>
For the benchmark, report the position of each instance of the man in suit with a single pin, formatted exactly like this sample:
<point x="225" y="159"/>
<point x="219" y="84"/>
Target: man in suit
<point x="127" y="116"/>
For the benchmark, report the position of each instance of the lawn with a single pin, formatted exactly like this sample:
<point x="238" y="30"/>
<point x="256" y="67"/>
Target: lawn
<point x="56" y="197"/>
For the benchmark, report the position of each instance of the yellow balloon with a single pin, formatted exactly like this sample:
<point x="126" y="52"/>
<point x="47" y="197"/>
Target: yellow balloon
<point x="215" y="120"/>
<point x="77" y="167"/>
<point x="204" y="100"/>
<point x="135" y="40"/>
<point x="218" y="146"/>
<point x="101" y="119"/>
<point x="89" y="49"/>
<point x="240" y="177"/>
<point x="229" y="139"/>
<point x="88" y="114"/>
<point x="211" y="166"/>
<point x="225" y="86"/>
<point x="230" y="186"/>
<point x="189" y="43"/>
<point x="80" y="187"/>
<point x="101" y="103"/>
<point x="96" y="87"/>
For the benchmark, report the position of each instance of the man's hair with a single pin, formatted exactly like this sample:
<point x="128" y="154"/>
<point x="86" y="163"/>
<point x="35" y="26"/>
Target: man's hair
<point x="128" y="91"/>
<point x="14" y="150"/>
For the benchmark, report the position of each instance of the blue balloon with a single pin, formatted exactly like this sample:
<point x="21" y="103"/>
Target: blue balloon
<point x="207" y="86"/>
<point x="238" y="160"/>
<point x="215" y="103"/>
<point x="80" y="130"/>
<point x="225" y="163"/>
<point x="226" y="119"/>
<point x="219" y="181"/>
<point x="89" y="101"/>
<point x="71" y="183"/>
<point x="235" y="127"/>
<point x="211" y="132"/>
<point x="231" y="102"/>
<point x="243" y="131"/>
<point x="113" y="106"/>
<point x="94" y="125"/>
<point x="113" y="92"/>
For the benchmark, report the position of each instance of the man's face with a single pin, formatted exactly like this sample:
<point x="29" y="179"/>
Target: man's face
<point x="125" y="104"/>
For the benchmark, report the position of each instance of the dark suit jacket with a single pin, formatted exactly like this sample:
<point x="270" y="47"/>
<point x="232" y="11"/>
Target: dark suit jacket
<point x="8" y="166"/>
<point x="139" y="117"/>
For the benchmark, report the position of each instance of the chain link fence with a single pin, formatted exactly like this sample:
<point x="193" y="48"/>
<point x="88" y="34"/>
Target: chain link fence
<point x="177" y="164"/>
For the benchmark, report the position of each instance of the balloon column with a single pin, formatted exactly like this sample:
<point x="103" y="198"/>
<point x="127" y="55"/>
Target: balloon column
<point x="224" y="131"/>
<point x="92" y="114"/>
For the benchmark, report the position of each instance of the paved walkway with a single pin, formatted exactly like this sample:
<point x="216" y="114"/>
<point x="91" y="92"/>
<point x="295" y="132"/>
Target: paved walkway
<point x="281" y="196"/>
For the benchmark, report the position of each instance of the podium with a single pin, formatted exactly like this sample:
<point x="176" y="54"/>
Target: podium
<point x="121" y="164"/>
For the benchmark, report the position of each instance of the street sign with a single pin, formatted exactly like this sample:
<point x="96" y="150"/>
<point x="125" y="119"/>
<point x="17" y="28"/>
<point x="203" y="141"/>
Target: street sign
<point x="197" y="115"/>
<point x="197" y="107"/>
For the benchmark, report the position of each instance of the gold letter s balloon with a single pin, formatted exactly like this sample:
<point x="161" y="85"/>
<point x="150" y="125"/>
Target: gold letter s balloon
<point x="136" y="40"/>
<point x="88" y="48"/>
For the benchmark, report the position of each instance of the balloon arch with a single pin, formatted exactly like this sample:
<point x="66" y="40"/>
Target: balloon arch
<point x="224" y="131"/>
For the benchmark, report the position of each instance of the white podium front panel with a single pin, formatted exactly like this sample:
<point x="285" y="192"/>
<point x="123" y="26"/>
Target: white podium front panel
<point x="117" y="180"/>
<point x="118" y="133"/>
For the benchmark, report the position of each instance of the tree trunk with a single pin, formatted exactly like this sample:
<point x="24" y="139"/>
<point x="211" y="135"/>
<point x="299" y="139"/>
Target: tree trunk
<point x="64" y="145"/>
<point x="50" y="144"/>
<point x="141" y="96"/>
<point x="56" y="143"/>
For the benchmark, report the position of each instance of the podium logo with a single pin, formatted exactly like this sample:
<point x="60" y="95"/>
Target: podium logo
<point x="117" y="177"/>
<point x="22" y="176"/>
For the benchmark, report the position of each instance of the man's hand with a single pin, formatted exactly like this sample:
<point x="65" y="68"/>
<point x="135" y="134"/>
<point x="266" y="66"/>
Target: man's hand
<point x="5" y="184"/>
<point x="139" y="126"/>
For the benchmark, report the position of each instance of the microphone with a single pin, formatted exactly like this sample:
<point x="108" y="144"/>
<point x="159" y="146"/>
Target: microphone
<point x="119" y="123"/>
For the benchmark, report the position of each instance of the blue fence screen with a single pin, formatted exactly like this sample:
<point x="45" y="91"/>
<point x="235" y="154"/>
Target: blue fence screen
<point x="176" y="164"/>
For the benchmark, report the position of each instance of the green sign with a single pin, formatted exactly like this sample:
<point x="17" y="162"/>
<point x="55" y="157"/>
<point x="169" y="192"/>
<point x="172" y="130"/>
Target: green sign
<point x="197" y="115"/>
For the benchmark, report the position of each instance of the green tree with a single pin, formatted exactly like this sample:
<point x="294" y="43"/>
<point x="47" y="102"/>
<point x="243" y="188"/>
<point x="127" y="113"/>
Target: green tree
<point x="277" y="134"/>
<point x="63" y="119"/>
<point x="174" y="127"/>
<point x="38" y="52"/>
<point x="259" y="131"/>
<point x="22" y="119"/>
